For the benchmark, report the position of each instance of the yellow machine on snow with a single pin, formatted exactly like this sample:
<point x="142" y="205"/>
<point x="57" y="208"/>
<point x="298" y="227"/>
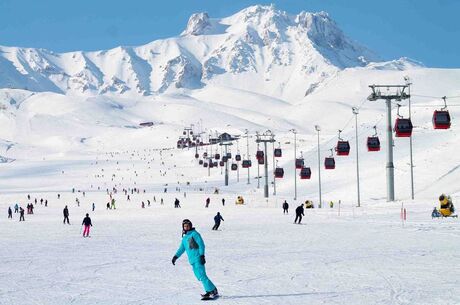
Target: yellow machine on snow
<point x="446" y="207"/>
<point x="239" y="200"/>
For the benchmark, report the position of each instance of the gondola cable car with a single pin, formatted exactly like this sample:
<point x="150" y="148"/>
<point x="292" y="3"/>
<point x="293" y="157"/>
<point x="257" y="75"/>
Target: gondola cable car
<point x="278" y="153"/>
<point x="279" y="171"/>
<point x="441" y="118"/>
<point x="299" y="162"/>
<point x="403" y="126"/>
<point x="343" y="147"/>
<point x="329" y="162"/>
<point x="373" y="142"/>
<point x="305" y="173"/>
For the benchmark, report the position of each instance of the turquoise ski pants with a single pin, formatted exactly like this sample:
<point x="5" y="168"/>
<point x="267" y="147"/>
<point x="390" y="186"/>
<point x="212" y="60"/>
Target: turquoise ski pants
<point x="200" y="273"/>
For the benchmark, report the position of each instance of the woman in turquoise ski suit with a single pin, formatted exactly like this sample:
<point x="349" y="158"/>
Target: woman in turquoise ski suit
<point x="193" y="244"/>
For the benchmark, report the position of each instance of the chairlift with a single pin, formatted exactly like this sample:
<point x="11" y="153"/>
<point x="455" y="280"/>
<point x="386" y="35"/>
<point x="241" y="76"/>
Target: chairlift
<point x="200" y="162"/>
<point x="305" y="173"/>
<point x="441" y="118"/>
<point x="234" y="166"/>
<point x="373" y="142"/>
<point x="205" y="164"/>
<point x="261" y="161"/>
<point x="403" y="127"/>
<point x="197" y="156"/>
<point x="238" y="157"/>
<point x="217" y="156"/>
<point x="221" y="163"/>
<point x="211" y="164"/>
<point x="343" y="147"/>
<point x="229" y="155"/>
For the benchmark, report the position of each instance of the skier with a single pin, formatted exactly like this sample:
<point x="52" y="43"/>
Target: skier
<point x="217" y="220"/>
<point x="177" y="203"/>
<point x="299" y="213"/>
<point x="285" y="207"/>
<point x="10" y="213"/>
<point x="193" y="244"/>
<point x="148" y="202"/>
<point x="87" y="223"/>
<point x="21" y="214"/>
<point x="66" y="215"/>
<point x="94" y="206"/>
<point x="331" y="204"/>
<point x="59" y="196"/>
<point x="113" y="203"/>
<point x="143" y="204"/>
<point x="16" y="208"/>
<point x="46" y="202"/>
<point x="108" y="205"/>
<point x="223" y="201"/>
<point x="161" y="202"/>
<point x="208" y="200"/>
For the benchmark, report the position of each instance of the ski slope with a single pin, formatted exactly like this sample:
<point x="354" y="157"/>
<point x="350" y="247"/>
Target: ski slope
<point x="72" y="121"/>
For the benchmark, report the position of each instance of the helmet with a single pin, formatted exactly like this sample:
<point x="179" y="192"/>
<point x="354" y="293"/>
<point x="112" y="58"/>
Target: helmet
<point x="186" y="221"/>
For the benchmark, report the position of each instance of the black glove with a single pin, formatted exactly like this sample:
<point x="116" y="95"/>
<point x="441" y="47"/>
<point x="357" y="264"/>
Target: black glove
<point x="174" y="259"/>
<point x="202" y="260"/>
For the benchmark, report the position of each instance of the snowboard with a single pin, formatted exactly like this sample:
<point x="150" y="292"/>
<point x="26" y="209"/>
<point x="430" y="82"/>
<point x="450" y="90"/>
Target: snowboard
<point x="210" y="298"/>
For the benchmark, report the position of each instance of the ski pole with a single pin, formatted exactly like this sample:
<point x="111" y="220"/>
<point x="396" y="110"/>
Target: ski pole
<point x="81" y="229"/>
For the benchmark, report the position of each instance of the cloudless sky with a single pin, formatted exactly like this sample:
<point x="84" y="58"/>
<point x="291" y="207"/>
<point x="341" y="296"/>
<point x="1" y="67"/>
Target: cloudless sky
<point x="424" y="30"/>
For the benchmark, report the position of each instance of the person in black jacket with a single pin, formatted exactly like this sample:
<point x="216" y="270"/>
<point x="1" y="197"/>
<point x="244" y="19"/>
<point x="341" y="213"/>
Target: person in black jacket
<point x="285" y="207"/>
<point x="299" y="213"/>
<point x="21" y="214"/>
<point x="66" y="215"/>
<point x="10" y="213"/>
<point x="88" y="224"/>
<point x="217" y="220"/>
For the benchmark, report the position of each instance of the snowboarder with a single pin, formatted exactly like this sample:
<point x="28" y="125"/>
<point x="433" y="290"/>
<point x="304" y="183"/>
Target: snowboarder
<point x="10" y="213"/>
<point x="299" y="213"/>
<point x="21" y="214"/>
<point x="87" y="223"/>
<point x="285" y="207"/>
<point x="193" y="244"/>
<point x="66" y="215"/>
<point x="217" y="220"/>
<point x="208" y="200"/>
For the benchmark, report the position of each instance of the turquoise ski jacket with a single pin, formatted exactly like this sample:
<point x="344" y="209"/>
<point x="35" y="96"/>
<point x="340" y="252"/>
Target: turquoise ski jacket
<point x="193" y="244"/>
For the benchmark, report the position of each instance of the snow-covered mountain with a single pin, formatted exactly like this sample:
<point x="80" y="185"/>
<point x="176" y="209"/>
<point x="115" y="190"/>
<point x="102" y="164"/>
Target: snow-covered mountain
<point x="283" y="55"/>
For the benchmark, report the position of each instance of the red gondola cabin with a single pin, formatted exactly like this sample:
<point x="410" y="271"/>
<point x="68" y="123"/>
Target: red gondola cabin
<point x="305" y="173"/>
<point x="342" y="148"/>
<point x="403" y="128"/>
<point x="441" y="119"/>
<point x="278" y="153"/>
<point x="373" y="144"/>
<point x="329" y="163"/>
<point x="279" y="172"/>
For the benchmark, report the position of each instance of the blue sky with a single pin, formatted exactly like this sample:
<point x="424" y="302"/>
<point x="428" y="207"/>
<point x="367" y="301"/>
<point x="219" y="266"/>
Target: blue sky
<point x="424" y="30"/>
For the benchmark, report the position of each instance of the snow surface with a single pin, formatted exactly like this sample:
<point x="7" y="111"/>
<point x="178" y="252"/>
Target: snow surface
<point x="72" y="121"/>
